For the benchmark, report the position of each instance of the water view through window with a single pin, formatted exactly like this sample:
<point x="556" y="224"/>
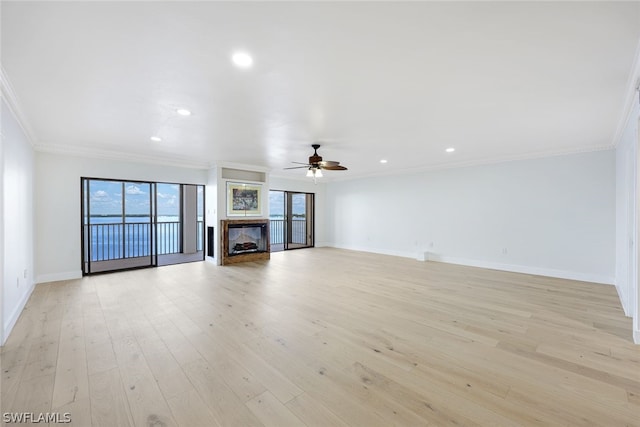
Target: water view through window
<point x="118" y="221"/>
<point x="291" y="220"/>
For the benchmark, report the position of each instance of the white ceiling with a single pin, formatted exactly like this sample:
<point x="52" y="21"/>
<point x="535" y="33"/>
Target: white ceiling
<point x="367" y="80"/>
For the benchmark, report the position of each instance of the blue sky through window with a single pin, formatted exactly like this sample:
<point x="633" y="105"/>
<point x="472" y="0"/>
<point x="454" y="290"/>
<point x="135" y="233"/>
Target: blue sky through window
<point x="276" y="204"/>
<point x="168" y="199"/>
<point x="106" y="198"/>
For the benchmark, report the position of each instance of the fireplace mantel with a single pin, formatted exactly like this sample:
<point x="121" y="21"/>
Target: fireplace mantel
<point x="254" y="244"/>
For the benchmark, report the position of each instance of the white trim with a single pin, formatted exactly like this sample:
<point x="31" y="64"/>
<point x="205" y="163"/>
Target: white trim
<point x="537" y="271"/>
<point x="625" y="309"/>
<point x="56" y="277"/>
<point x="636" y="336"/>
<point x="480" y="162"/>
<point x="403" y="254"/>
<point x="7" y="92"/>
<point x="514" y="268"/>
<point x="238" y="166"/>
<point x="631" y="96"/>
<point x="2" y="228"/>
<point x="120" y="156"/>
<point x="15" y="315"/>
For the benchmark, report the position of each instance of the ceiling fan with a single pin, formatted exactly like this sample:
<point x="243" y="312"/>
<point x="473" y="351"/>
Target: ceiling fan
<point x="316" y="164"/>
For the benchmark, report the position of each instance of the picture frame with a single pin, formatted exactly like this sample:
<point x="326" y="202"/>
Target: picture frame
<point x="244" y="199"/>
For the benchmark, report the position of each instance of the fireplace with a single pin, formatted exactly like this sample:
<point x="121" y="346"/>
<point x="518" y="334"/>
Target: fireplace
<point x="244" y="240"/>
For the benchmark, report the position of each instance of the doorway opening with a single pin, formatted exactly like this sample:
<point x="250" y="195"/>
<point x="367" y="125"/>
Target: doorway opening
<point x="291" y="217"/>
<point x="135" y="224"/>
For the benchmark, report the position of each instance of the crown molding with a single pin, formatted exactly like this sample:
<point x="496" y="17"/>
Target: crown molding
<point x="632" y="96"/>
<point x="121" y="156"/>
<point x="479" y="162"/>
<point x="239" y="166"/>
<point x="9" y="95"/>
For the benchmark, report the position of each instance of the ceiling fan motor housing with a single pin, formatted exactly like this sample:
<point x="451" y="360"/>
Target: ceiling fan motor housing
<point x="315" y="160"/>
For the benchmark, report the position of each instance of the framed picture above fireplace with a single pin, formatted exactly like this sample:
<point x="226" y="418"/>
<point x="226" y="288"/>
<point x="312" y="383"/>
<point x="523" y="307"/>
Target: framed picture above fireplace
<point x="244" y="199"/>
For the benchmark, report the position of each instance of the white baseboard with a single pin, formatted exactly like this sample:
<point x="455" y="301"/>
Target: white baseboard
<point x="322" y="245"/>
<point x="15" y="315"/>
<point x="404" y="254"/>
<point x="636" y="336"/>
<point x="538" y="271"/>
<point x="623" y="301"/>
<point x="514" y="268"/>
<point x="56" y="277"/>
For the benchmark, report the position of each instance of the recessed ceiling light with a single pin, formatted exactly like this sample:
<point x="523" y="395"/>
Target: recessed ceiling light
<point x="183" y="112"/>
<point x="383" y="161"/>
<point x="242" y="59"/>
<point x="450" y="150"/>
<point x="156" y="138"/>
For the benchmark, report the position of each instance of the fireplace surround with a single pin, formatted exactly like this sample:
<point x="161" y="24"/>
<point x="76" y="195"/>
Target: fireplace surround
<point x="244" y="240"/>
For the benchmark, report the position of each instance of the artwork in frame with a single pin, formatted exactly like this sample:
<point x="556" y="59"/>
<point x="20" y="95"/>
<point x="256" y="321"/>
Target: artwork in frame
<point x="244" y="199"/>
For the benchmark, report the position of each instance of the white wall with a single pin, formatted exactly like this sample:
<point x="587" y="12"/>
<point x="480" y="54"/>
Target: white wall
<point x="550" y="216"/>
<point x="17" y="220"/>
<point x="2" y="241"/>
<point x="58" y="250"/>
<point x="307" y="186"/>
<point x="626" y="219"/>
<point x="627" y="216"/>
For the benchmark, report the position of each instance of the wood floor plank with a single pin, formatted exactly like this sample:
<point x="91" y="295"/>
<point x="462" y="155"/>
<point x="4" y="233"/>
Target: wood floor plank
<point x="310" y="375"/>
<point x="33" y="396"/>
<point x="189" y="409"/>
<point x="109" y="404"/>
<point x="313" y="413"/>
<point x="245" y="384"/>
<point x="13" y="358"/>
<point x="146" y="402"/>
<point x="272" y="412"/>
<point x="71" y="377"/>
<point x="323" y="337"/>
<point x="395" y="389"/>
<point x="78" y="411"/>
<point x="226" y="407"/>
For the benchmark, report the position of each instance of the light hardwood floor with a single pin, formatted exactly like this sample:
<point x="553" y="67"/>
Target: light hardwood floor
<point x="324" y="337"/>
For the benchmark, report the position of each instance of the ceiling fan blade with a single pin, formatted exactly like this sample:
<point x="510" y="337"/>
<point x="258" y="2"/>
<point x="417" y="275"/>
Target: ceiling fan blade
<point x="329" y="163"/>
<point x="316" y="162"/>
<point x="333" y="168"/>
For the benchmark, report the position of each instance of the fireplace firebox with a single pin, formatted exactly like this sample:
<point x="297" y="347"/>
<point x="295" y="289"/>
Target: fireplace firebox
<point x="244" y="240"/>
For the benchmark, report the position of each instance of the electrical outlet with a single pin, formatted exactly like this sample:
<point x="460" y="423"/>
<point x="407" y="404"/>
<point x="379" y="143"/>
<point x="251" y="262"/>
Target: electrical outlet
<point x="504" y="251"/>
<point x="24" y="273"/>
<point x="430" y="244"/>
<point x="17" y="282"/>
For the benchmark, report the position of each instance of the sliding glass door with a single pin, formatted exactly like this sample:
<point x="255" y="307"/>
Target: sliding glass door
<point x="291" y="220"/>
<point x="133" y="224"/>
<point x="116" y="225"/>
